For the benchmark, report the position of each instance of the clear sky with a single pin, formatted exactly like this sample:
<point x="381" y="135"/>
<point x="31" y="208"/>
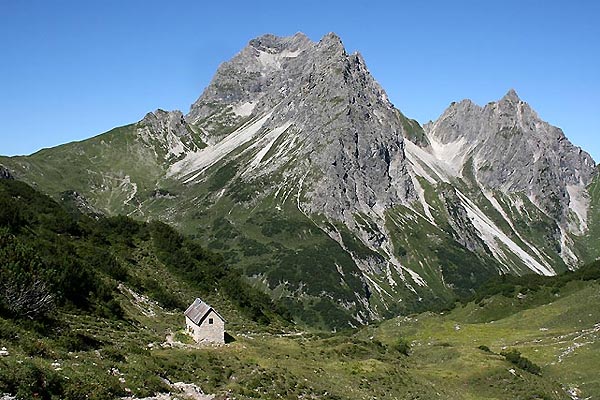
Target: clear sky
<point x="70" y="70"/>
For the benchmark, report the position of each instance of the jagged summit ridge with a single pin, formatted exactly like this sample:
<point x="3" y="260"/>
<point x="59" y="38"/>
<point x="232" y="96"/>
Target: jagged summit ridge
<point x="356" y="161"/>
<point x="506" y="147"/>
<point x="513" y="149"/>
<point x="348" y="138"/>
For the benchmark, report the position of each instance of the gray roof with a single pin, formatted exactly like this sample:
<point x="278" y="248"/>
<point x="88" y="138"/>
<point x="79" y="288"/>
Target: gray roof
<point x="198" y="310"/>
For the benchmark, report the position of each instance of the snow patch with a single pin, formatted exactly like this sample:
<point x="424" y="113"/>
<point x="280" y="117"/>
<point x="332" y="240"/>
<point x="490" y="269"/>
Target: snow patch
<point x="290" y="54"/>
<point x="273" y="60"/>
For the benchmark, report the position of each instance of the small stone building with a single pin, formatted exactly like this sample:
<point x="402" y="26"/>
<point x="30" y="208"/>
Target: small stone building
<point x="204" y="324"/>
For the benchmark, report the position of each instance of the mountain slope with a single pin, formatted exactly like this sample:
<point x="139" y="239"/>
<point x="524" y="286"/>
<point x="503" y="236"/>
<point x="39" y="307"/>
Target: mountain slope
<point x="297" y="168"/>
<point x="507" y="149"/>
<point x="112" y="168"/>
<point x="55" y="259"/>
<point x="466" y="353"/>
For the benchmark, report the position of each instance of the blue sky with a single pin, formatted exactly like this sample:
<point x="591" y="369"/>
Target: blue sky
<point x="72" y="69"/>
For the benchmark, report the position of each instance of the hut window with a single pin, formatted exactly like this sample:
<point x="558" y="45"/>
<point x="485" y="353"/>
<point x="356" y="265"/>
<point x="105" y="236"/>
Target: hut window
<point x="210" y="321"/>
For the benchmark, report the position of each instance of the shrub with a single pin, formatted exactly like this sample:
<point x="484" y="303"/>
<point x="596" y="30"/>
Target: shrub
<point x="164" y="297"/>
<point x="402" y="346"/>
<point x="100" y="259"/>
<point x="25" y="291"/>
<point x="35" y="382"/>
<point x="485" y="348"/>
<point x="113" y="353"/>
<point x="77" y="341"/>
<point x="515" y="357"/>
<point x="36" y="348"/>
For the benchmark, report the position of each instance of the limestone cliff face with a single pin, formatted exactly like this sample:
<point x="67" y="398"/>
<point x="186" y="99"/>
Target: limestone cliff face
<point x="264" y="70"/>
<point x="169" y="133"/>
<point x="345" y="138"/>
<point x="513" y="150"/>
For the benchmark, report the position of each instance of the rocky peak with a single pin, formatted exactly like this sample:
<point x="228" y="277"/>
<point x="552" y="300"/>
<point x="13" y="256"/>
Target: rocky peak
<point x="450" y="126"/>
<point x="351" y="136"/>
<point x="266" y="65"/>
<point x="512" y="114"/>
<point x="170" y="122"/>
<point x="274" y="44"/>
<point x="513" y="150"/>
<point x="169" y="134"/>
<point x="511" y="96"/>
<point x="332" y="37"/>
<point x="332" y="43"/>
<point x="269" y="70"/>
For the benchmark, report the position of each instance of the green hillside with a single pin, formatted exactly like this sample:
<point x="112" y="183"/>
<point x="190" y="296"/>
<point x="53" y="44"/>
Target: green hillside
<point x="114" y="325"/>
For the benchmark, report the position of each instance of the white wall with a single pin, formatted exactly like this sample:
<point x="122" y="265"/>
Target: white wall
<point x="207" y="332"/>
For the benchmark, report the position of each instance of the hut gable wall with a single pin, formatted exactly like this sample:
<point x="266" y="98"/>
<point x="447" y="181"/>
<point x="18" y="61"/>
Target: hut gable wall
<point x="210" y="328"/>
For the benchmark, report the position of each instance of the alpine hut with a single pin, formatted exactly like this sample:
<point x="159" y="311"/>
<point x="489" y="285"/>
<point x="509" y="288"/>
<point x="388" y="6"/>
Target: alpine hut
<point x="204" y="324"/>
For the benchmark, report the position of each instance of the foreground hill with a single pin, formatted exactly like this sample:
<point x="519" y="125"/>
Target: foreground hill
<point x="296" y="167"/>
<point x="53" y="258"/>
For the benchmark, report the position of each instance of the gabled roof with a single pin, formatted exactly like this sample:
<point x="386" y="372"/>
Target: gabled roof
<point x="198" y="311"/>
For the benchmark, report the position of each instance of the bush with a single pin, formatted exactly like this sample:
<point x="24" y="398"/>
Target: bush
<point x="485" y="348"/>
<point x="402" y="346"/>
<point x="113" y="353"/>
<point x="10" y="214"/>
<point x="76" y="341"/>
<point x="25" y="291"/>
<point x="7" y="330"/>
<point x="207" y="271"/>
<point x="103" y="260"/>
<point x="36" y="383"/>
<point x="515" y="357"/>
<point x="36" y="348"/>
<point x="164" y="297"/>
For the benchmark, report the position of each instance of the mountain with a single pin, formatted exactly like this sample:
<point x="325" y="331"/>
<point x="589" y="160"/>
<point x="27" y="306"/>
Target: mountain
<point x="296" y="167"/>
<point x="512" y="151"/>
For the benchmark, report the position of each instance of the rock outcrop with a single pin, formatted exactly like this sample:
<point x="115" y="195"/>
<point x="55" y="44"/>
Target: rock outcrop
<point x="169" y="132"/>
<point x="5" y="173"/>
